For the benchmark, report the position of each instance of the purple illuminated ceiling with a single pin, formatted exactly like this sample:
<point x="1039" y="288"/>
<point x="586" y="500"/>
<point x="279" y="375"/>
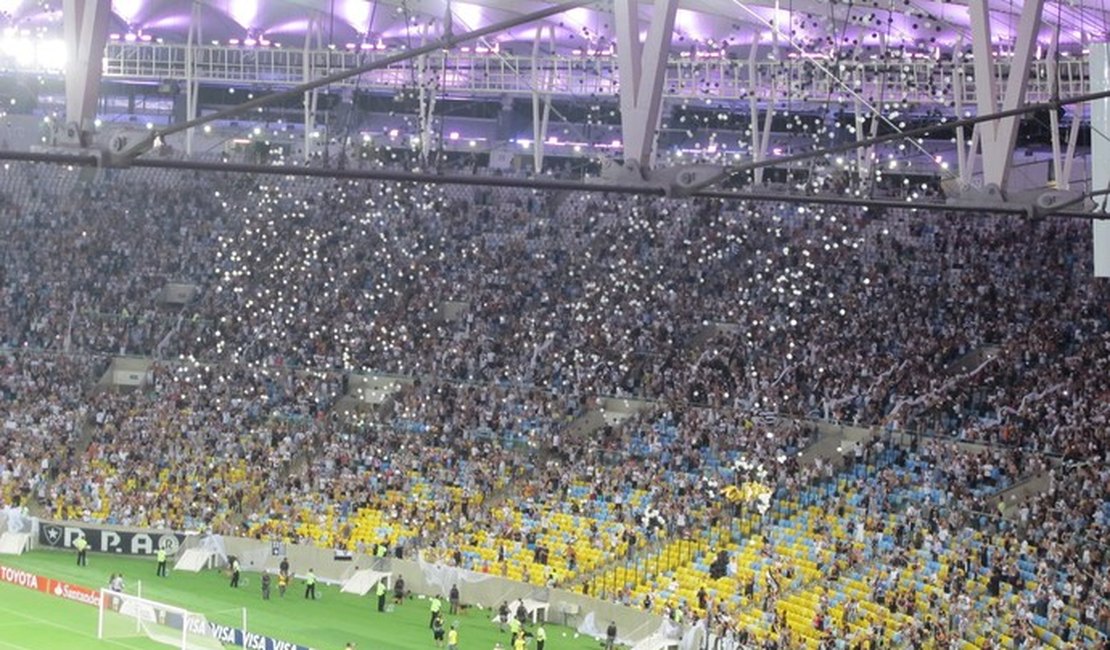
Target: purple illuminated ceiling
<point x="816" y="25"/>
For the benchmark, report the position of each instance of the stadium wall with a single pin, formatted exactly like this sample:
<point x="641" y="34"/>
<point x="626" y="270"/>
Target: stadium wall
<point x="477" y="589"/>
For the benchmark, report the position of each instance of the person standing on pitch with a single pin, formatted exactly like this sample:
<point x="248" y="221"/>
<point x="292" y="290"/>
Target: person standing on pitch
<point x="234" y="573"/>
<point x="434" y="606"/>
<point x="265" y="586"/>
<point x="161" y="563"/>
<point x="453" y="637"/>
<point x="381" y="595"/>
<point x="453" y="599"/>
<point x="283" y="582"/>
<point x="398" y="590"/>
<point x="82" y="546"/>
<point x="541" y="637"/>
<point x="310" y="585"/>
<point x="437" y="630"/>
<point x="611" y="636"/>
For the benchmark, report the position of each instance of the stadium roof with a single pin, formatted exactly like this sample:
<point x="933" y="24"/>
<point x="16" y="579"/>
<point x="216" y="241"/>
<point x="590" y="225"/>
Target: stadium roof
<point x="816" y="24"/>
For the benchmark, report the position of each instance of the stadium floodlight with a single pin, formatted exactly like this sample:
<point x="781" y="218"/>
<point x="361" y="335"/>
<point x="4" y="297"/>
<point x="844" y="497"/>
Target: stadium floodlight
<point x="50" y="54"/>
<point x="123" y="615"/>
<point x="31" y="52"/>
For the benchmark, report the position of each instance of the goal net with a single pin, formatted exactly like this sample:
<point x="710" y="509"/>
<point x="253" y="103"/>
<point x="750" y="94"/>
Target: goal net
<point x="122" y="615"/>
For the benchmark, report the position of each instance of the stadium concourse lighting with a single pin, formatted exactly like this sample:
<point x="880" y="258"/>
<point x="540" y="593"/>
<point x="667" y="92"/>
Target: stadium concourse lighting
<point x="447" y="42"/>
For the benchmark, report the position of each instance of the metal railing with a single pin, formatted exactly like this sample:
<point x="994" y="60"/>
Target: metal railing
<point x="796" y="79"/>
<point x="917" y="80"/>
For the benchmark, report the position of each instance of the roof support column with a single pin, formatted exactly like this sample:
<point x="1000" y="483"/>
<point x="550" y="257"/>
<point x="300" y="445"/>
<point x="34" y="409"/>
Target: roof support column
<point x="958" y="100"/>
<point x="542" y="81"/>
<point x="192" y="86"/>
<point x="1061" y="159"/>
<point x="761" y="134"/>
<point x="428" y="83"/>
<point x="965" y="151"/>
<point x="866" y="157"/>
<point x="642" y="68"/>
<point x="311" y="97"/>
<point x="86" y="33"/>
<point x="1100" y="152"/>
<point x="1054" y="116"/>
<point x="1069" y="155"/>
<point x="999" y="138"/>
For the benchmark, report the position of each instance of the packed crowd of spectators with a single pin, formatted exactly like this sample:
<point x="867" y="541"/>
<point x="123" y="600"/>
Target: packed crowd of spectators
<point x="912" y="565"/>
<point x="513" y="311"/>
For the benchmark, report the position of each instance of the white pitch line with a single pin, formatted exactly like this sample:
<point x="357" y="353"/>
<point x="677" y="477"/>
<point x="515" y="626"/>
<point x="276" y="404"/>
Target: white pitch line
<point x="60" y="627"/>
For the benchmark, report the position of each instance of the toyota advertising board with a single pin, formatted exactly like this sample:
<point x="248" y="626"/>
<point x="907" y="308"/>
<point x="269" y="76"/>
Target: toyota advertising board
<point x="22" y="578"/>
<point x="59" y="588"/>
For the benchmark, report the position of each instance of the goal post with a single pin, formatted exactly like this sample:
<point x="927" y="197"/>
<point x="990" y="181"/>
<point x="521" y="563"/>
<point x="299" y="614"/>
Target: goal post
<point x="123" y="615"/>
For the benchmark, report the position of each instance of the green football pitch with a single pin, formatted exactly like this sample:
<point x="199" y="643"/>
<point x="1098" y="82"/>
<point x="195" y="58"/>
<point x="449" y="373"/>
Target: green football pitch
<point x="30" y="620"/>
